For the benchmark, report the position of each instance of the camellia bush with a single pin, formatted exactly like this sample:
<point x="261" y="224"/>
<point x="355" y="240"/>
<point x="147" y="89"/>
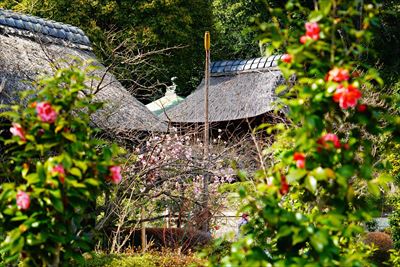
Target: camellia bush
<point x="52" y="170"/>
<point x="310" y="206"/>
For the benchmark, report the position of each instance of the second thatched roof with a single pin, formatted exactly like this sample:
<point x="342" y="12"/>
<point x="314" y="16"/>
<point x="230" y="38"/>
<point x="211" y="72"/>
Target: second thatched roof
<point x="31" y="47"/>
<point x="238" y="89"/>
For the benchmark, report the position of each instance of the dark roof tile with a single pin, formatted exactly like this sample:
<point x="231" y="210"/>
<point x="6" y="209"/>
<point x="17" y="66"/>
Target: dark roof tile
<point x="45" y="27"/>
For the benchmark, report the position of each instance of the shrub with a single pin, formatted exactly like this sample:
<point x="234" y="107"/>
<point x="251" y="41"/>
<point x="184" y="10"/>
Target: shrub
<point x="307" y="209"/>
<point x="52" y="171"/>
<point x="150" y="259"/>
<point x="394" y="222"/>
<point x="383" y="243"/>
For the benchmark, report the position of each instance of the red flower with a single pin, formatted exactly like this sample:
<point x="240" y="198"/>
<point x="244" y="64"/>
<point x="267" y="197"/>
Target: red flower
<point x="329" y="137"/>
<point x="59" y="170"/>
<point x="23" y="200"/>
<point x="115" y="174"/>
<point x="46" y="112"/>
<point x="312" y="30"/>
<point x="287" y="58"/>
<point x="17" y="130"/>
<point x="362" y="108"/>
<point x="346" y="97"/>
<point x="338" y="75"/>
<point x="300" y="159"/>
<point x="284" y="185"/>
<point x="303" y="39"/>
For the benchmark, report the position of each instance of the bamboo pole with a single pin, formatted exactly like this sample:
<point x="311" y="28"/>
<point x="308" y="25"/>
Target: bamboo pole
<point x="206" y="125"/>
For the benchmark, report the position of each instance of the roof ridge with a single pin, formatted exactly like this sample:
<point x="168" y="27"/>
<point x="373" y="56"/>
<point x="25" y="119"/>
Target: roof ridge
<point x="21" y="24"/>
<point x="230" y="66"/>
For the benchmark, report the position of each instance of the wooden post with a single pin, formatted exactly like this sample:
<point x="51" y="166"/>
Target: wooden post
<point x="206" y="125"/>
<point x="143" y="231"/>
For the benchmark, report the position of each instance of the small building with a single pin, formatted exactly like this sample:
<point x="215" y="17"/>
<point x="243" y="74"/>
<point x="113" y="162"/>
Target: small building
<point x="240" y="90"/>
<point x="169" y="100"/>
<point x="31" y="47"/>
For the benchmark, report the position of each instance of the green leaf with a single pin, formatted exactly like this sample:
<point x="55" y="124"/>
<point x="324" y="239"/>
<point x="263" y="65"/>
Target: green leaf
<point x="373" y="188"/>
<point x="295" y="174"/>
<point x="58" y="204"/>
<point x="32" y="178"/>
<point x="69" y="136"/>
<point x="18" y="245"/>
<point x="81" y="165"/>
<point x="311" y="183"/>
<point x="325" y="6"/>
<point x="319" y="241"/>
<point x="40" y="171"/>
<point x="346" y="171"/>
<point x="92" y="181"/>
<point x="76" y="172"/>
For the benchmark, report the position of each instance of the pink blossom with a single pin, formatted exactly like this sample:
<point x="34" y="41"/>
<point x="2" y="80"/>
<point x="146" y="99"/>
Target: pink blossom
<point x="287" y="58"/>
<point x="46" y="112"/>
<point x="115" y="174"/>
<point x="23" y="200"/>
<point x="312" y="30"/>
<point x="59" y="170"/>
<point x="338" y="75"/>
<point x="300" y="159"/>
<point x="329" y="137"/>
<point x="17" y="130"/>
<point x="346" y="96"/>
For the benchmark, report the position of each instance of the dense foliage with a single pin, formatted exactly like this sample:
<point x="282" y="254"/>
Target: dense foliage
<point x="394" y="221"/>
<point x="52" y="171"/>
<point x="118" y="27"/>
<point x="310" y="204"/>
<point x="127" y="35"/>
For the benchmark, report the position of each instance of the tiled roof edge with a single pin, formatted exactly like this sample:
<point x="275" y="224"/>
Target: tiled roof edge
<point x="21" y="24"/>
<point x="231" y="66"/>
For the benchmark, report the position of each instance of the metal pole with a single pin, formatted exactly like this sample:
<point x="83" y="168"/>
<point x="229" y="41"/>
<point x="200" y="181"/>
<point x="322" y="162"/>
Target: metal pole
<point x="206" y="126"/>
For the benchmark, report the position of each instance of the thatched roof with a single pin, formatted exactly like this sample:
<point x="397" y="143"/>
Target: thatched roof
<point x="30" y="47"/>
<point x="238" y="89"/>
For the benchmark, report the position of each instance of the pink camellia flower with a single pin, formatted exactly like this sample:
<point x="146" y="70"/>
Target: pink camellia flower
<point x="338" y="75"/>
<point x="287" y="58"/>
<point x="346" y="96"/>
<point x="23" y="200"/>
<point x="46" y="112"/>
<point x="284" y="185"/>
<point x="329" y="137"/>
<point x="300" y="159"/>
<point x="59" y="170"/>
<point x="115" y="174"/>
<point x="312" y="32"/>
<point x="362" y="107"/>
<point x="17" y="130"/>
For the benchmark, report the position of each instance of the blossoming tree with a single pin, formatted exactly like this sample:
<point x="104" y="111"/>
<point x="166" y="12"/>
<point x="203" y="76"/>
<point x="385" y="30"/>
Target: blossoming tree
<point x="52" y="171"/>
<point x="308" y="210"/>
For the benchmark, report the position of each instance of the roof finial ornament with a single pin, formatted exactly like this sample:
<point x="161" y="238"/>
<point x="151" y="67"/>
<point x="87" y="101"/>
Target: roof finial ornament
<point x="171" y="89"/>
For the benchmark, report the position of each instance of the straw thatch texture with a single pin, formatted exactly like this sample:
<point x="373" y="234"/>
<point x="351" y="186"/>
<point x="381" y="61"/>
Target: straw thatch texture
<point x="232" y="96"/>
<point x="24" y="58"/>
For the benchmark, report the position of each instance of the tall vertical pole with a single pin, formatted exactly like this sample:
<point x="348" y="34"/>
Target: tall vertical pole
<point x="206" y="128"/>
